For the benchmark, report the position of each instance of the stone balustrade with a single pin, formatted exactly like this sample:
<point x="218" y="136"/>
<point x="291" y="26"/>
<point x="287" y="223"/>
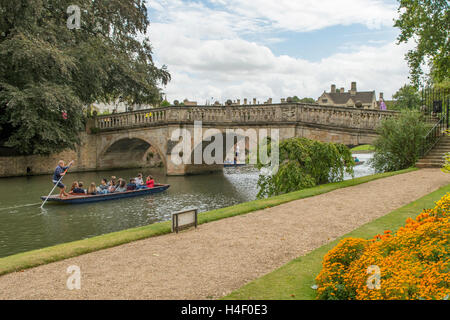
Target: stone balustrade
<point x="292" y="113"/>
<point x="131" y="119"/>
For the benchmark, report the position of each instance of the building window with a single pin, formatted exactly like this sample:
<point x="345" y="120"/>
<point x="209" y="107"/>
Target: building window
<point x="324" y="100"/>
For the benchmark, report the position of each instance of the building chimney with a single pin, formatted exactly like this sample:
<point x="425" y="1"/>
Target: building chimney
<point x="353" y="89"/>
<point x="254" y="100"/>
<point x="342" y="90"/>
<point x="245" y="101"/>
<point x="269" y="101"/>
<point x="381" y="96"/>
<point x="238" y="101"/>
<point x="333" y="88"/>
<point x="283" y="100"/>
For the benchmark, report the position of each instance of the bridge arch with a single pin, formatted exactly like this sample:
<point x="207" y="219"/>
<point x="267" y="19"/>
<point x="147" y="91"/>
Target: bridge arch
<point x="240" y="137"/>
<point x="130" y="151"/>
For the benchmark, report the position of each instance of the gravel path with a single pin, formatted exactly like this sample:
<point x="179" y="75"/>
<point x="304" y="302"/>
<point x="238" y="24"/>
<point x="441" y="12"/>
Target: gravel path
<point x="222" y="256"/>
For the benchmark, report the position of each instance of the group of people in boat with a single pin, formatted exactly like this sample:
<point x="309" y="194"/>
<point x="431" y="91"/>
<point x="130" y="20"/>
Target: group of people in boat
<point x="106" y="186"/>
<point x="112" y="186"/>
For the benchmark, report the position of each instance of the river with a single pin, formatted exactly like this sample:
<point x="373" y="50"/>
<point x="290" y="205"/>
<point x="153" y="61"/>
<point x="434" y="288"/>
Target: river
<point x="24" y="226"/>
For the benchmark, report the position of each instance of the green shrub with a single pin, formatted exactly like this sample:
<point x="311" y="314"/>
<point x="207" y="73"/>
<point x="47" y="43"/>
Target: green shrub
<point x="399" y="142"/>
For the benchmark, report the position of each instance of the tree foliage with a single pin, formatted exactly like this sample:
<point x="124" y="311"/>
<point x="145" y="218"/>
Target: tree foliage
<point x="303" y="100"/>
<point x="398" y="144"/>
<point x="407" y="97"/>
<point x="427" y="22"/>
<point x="49" y="72"/>
<point x="165" y="103"/>
<point x="306" y="163"/>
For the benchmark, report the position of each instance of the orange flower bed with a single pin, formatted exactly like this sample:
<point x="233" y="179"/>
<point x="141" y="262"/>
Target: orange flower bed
<point x="411" y="264"/>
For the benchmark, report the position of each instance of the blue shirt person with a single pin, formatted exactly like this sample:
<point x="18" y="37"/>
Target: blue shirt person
<point x="60" y="172"/>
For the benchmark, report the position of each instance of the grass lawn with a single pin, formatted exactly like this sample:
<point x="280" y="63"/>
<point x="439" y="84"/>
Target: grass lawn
<point x="293" y="281"/>
<point x="72" y="249"/>
<point x="364" y="147"/>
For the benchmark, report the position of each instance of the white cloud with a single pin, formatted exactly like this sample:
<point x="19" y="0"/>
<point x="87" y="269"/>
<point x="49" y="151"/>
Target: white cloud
<point x="208" y="57"/>
<point x="308" y="15"/>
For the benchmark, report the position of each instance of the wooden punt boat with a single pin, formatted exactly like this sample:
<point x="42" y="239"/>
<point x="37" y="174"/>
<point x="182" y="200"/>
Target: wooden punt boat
<point x="359" y="163"/>
<point x="84" y="198"/>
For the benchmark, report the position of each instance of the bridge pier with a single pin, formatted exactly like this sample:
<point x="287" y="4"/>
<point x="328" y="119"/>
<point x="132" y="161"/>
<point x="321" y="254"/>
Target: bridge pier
<point x="190" y="169"/>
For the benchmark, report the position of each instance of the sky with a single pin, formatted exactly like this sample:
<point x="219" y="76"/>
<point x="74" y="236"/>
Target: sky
<point x="234" y="49"/>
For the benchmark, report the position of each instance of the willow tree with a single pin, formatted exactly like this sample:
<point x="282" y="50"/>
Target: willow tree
<point x="49" y="70"/>
<point x="305" y="163"/>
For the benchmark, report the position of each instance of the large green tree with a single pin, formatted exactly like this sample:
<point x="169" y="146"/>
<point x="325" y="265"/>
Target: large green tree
<point x="50" y="72"/>
<point x="427" y="23"/>
<point x="407" y="97"/>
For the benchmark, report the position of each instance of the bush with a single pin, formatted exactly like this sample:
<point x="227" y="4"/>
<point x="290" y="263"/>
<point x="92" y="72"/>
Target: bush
<point x="399" y="142"/>
<point x="414" y="263"/>
<point x="306" y="163"/>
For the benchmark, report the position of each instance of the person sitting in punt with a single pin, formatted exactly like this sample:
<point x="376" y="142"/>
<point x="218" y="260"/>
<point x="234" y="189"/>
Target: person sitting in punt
<point x="92" y="190"/>
<point x="80" y="185"/>
<point x="111" y="187"/>
<point x="74" y="185"/>
<point x="113" y="182"/>
<point x="103" y="187"/>
<point x="122" y="186"/>
<point x="75" y="189"/>
<point x="132" y="185"/>
<point x="138" y="179"/>
<point x="150" y="182"/>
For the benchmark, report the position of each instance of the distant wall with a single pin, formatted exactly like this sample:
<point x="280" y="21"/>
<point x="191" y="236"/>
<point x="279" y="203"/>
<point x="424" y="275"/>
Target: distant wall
<point x="84" y="156"/>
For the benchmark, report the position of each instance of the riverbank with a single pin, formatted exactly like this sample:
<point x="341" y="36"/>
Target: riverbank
<point x="365" y="148"/>
<point x="221" y="256"/>
<point x="363" y="152"/>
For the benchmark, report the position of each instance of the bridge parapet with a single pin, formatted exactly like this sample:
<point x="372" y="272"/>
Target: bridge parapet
<point x="131" y="119"/>
<point x="286" y="113"/>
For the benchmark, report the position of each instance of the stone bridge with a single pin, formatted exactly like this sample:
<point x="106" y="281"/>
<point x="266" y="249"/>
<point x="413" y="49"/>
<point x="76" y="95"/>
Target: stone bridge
<point x="141" y="138"/>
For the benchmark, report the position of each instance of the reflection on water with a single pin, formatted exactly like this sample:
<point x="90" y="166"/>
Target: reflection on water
<point x="27" y="227"/>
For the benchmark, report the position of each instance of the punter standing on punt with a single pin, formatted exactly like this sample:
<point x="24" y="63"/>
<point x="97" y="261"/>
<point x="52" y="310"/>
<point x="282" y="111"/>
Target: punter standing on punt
<point x="59" y="172"/>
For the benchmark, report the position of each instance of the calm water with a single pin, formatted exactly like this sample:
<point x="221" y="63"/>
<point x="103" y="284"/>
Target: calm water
<point x="24" y="226"/>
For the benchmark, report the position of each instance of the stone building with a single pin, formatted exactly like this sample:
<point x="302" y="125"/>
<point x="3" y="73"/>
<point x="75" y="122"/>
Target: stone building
<point x="186" y="102"/>
<point x="352" y="98"/>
